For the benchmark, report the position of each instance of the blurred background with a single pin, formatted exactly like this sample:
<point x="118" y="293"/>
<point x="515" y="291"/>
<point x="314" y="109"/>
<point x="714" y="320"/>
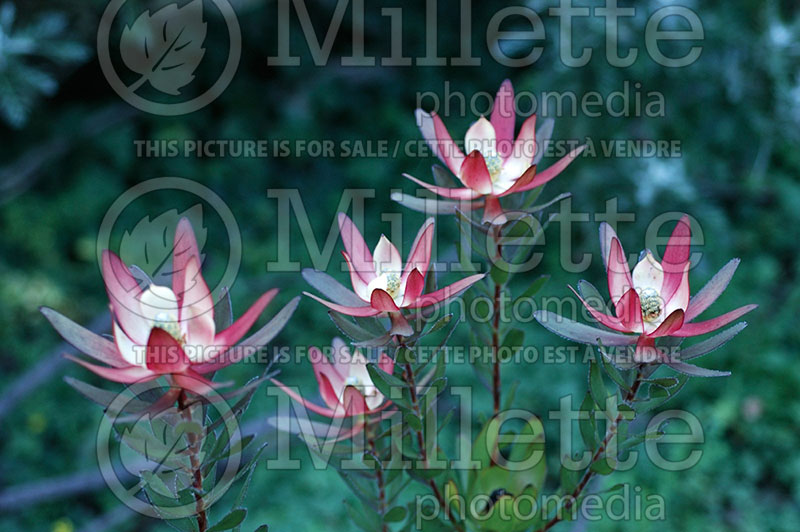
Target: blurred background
<point x="69" y="152"/>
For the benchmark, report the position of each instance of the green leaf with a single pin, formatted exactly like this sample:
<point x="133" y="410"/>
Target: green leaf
<point x="413" y="421"/>
<point x="636" y="439"/>
<point x="428" y="205"/>
<point x="666" y="382"/>
<point x="696" y="371"/>
<point x="395" y="515"/>
<point x="602" y="467"/>
<point x="230" y="521"/>
<point x="658" y="392"/>
<point x="243" y="492"/>
<point x="98" y="395"/>
<point x="223" y="311"/>
<point x="331" y="288"/>
<point x="439" y="324"/>
<point x="534" y="194"/>
<point x="154" y="489"/>
<point x="465" y="259"/>
<point x="596" y="386"/>
<point x="593" y="297"/>
<point x="512" y="342"/>
<point x="569" y="480"/>
<point x="509" y="395"/>
<point x="627" y="412"/>
<point x="612" y="371"/>
<point x="405" y="355"/>
<point x="385" y="382"/>
<point x="349" y="328"/>
<point x="430" y="280"/>
<point x="709" y="345"/>
<point x="499" y="272"/>
<point x="588" y="426"/>
<point x="363" y="517"/>
<point x="443" y="177"/>
<point x="535" y="287"/>
<point x="661" y="396"/>
<point x="451" y="495"/>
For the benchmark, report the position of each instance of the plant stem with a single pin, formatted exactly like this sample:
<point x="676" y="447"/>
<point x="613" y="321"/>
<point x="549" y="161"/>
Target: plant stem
<point x="409" y="378"/>
<point x="202" y="519"/>
<point x="378" y="473"/>
<point x="498" y="261"/>
<point x="496" y="350"/>
<point x="587" y="476"/>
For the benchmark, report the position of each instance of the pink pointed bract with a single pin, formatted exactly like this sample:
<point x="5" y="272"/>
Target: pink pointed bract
<point x="384" y="283"/>
<point x="493" y="164"/>
<point x="652" y="300"/>
<point x="159" y="330"/>
<point x="345" y="385"/>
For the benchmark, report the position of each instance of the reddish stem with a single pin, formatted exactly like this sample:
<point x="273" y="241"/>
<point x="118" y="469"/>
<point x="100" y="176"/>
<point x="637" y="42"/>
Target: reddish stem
<point x="202" y="519"/>
<point x="379" y="475"/>
<point x="587" y="476"/>
<point x="496" y="350"/>
<point x="409" y="378"/>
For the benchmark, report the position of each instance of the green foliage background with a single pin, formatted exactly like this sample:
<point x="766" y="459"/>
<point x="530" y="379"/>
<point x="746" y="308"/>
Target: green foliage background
<point x="735" y="111"/>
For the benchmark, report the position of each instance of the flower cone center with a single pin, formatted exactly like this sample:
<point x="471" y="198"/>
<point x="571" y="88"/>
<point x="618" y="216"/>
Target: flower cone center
<point x="651" y="304"/>
<point x="495" y="165"/>
<point x="169" y="323"/>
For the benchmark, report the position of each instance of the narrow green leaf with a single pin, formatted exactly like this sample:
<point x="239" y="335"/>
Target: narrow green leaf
<point x="602" y="467"/>
<point x="383" y="381"/>
<point x="443" y="177"/>
<point x="569" y="480"/>
<point x="535" y="287"/>
<point x="612" y="371"/>
<point x="499" y="272"/>
<point x="230" y="521"/>
<point x="596" y="385"/>
<point x="395" y="515"/>
<point x="588" y="426"/>
<point x="512" y="342"/>
<point x="413" y="421"/>
<point x="363" y="517"/>
<point x="223" y="311"/>
<point x="349" y="328"/>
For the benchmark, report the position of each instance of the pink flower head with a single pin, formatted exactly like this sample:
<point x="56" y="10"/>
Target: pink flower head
<point x="344" y="383"/>
<point x="653" y="301"/>
<point x="495" y="165"/>
<point x="160" y="330"/>
<point x="383" y="283"/>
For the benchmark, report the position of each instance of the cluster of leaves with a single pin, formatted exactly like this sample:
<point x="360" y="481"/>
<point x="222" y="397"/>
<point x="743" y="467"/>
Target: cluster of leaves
<point x="744" y="186"/>
<point x="182" y="452"/>
<point x="402" y="440"/>
<point x="29" y="56"/>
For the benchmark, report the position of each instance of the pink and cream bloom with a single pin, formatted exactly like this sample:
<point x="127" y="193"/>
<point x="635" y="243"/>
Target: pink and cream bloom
<point x="384" y="283"/>
<point x="493" y="164"/>
<point x="345" y="385"/>
<point x="654" y="300"/>
<point x="160" y="330"/>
